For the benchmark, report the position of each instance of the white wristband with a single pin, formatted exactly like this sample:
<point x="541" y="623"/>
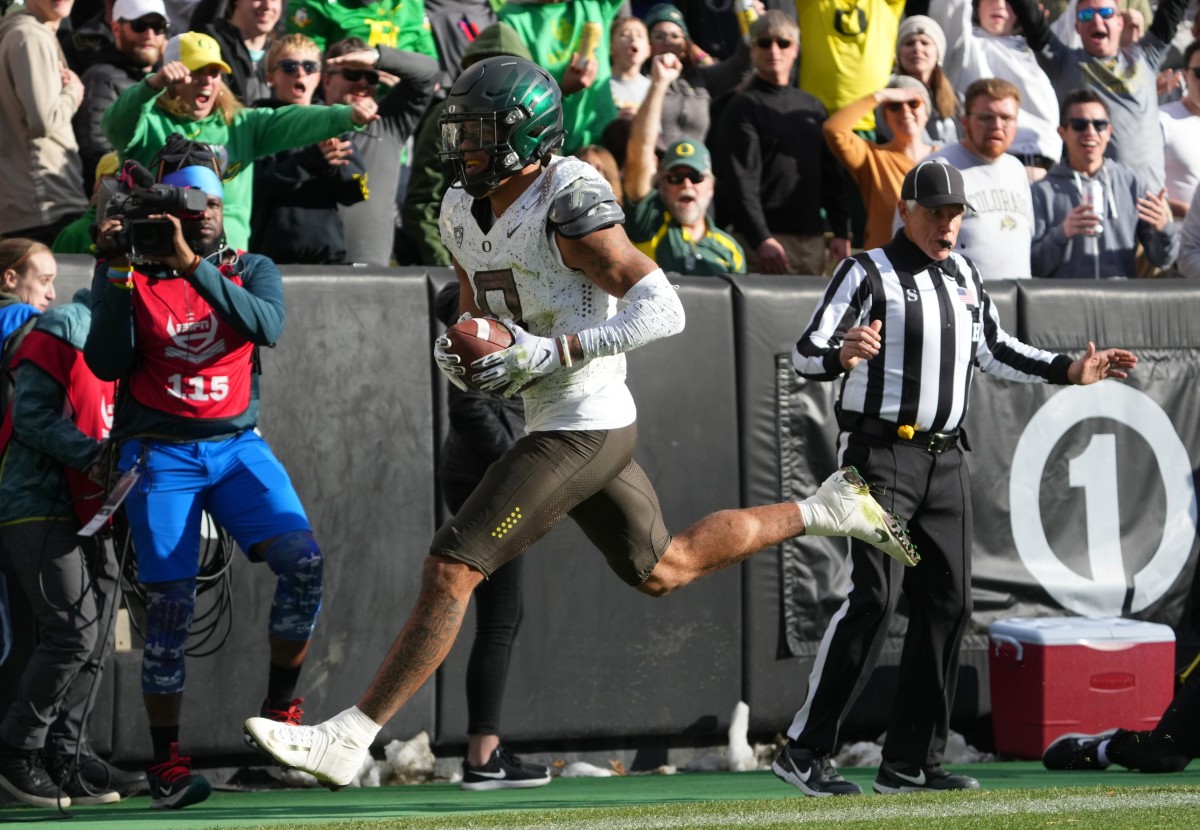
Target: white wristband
<point x="564" y="351"/>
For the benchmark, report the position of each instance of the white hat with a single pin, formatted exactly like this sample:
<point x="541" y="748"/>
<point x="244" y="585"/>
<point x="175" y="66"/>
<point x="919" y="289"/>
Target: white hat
<point x="134" y="9"/>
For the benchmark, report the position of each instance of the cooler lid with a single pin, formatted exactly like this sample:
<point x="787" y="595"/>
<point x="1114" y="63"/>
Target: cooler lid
<point x="1075" y="630"/>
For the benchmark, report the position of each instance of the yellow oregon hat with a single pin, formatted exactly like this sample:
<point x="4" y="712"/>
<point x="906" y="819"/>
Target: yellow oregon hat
<point x="195" y="50"/>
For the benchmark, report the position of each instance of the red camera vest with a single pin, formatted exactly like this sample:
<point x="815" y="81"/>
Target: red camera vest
<point x="192" y="364"/>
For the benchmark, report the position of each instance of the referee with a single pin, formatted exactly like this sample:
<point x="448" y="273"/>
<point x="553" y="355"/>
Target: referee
<point x="903" y="327"/>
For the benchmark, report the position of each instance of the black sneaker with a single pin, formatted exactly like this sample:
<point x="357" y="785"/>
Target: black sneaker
<point x="896" y="778"/>
<point x="1077" y="751"/>
<point x="22" y="775"/>
<point x="504" y="771"/>
<point x="83" y="793"/>
<point x="172" y="785"/>
<point x="810" y="773"/>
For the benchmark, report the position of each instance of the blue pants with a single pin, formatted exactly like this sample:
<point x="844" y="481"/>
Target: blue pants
<point x="238" y="481"/>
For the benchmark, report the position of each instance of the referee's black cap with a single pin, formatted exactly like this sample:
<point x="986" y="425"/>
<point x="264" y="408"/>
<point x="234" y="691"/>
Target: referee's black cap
<point x="933" y="184"/>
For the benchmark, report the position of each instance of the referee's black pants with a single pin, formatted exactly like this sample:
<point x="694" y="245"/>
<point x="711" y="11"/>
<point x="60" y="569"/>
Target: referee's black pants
<point x="931" y="493"/>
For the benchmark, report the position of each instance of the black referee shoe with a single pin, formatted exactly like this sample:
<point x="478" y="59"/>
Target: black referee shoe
<point x="896" y="778"/>
<point x="810" y="773"/>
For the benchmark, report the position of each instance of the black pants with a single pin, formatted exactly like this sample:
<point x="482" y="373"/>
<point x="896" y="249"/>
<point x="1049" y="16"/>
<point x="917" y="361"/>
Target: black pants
<point x="1171" y="745"/>
<point x="931" y="493"/>
<point x="498" y="612"/>
<point x="71" y="584"/>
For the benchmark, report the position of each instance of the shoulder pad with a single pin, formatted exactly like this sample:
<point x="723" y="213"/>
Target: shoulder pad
<point x="585" y="206"/>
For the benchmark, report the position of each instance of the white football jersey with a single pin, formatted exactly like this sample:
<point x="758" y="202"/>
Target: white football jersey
<point x="517" y="273"/>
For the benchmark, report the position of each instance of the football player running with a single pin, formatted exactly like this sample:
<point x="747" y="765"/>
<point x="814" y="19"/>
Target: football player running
<point x="538" y="244"/>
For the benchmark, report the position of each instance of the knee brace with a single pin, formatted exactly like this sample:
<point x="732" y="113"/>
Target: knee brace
<point x="295" y="558"/>
<point x="169" y="609"/>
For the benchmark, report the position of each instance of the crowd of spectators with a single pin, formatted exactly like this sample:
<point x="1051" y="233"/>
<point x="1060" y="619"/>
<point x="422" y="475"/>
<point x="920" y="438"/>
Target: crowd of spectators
<point x="810" y="117"/>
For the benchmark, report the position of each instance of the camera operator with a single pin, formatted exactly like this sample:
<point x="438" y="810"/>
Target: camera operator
<point x="180" y="331"/>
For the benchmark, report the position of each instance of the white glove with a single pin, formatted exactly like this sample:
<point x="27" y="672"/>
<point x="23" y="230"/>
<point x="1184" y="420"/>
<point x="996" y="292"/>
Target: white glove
<point x="449" y="363"/>
<point x="510" y="370"/>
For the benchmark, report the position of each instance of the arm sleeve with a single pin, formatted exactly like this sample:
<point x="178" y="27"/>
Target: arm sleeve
<point x="37" y="413"/>
<point x="651" y="311"/>
<point x="110" y="349"/>
<point x="255" y="308"/>
<point x="816" y="355"/>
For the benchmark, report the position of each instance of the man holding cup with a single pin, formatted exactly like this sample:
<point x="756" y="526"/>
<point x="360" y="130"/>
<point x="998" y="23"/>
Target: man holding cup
<point x="1090" y="212"/>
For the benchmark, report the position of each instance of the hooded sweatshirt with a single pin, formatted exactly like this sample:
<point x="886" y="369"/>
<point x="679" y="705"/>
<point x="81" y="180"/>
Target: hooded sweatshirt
<point x="1106" y="254"/>
<point x="43" y="176"/>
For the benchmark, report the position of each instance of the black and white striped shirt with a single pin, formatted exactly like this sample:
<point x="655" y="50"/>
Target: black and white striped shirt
<point x="938" y="324"/>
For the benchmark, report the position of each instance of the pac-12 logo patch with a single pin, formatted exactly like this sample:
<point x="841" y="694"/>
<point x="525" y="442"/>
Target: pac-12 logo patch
<point x="458" y="234"/>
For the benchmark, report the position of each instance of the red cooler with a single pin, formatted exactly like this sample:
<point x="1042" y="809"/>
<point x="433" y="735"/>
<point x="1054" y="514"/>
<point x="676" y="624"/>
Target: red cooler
<point x="1054" y="675"/>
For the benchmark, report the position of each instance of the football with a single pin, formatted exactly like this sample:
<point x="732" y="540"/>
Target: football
<point x="476" y="338"/>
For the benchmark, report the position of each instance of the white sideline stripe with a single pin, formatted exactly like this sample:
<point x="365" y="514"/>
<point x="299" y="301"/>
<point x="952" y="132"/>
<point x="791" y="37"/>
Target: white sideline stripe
<point x="897" y="806"/>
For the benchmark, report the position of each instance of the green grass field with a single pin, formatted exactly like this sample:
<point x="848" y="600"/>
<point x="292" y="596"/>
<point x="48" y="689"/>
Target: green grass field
<point x="1014" y="796"/>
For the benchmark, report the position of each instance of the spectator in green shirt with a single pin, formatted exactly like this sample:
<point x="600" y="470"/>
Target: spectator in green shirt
<point x="667" y="206"/>
<point x="400" y="24"/>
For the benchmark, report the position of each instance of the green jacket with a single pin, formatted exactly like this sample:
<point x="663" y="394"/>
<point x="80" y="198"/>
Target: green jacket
<point x="139" y="129"/>
<point x="31" y="489"/>
<point x="401" y="24"/>
<point x="552" y="31"/>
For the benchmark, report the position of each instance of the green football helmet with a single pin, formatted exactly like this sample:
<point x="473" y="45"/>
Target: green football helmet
<point x="505" y="108"/>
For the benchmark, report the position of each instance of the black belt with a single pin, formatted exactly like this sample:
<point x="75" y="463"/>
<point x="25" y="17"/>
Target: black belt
<point x="888" y="431"/>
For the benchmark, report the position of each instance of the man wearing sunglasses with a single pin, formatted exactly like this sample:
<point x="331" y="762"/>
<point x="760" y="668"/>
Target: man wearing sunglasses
<point x="1090" y="211"/>
<point x="139" y="30"/>
<point x="668" y="218"/>
<point x="1125" y="77"/>
<point x="776" y="170"/>
<point x="352" y="74"/>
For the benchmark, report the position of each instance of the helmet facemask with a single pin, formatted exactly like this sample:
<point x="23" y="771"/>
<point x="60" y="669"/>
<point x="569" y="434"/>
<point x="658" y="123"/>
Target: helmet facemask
<point x="476" y="146"/>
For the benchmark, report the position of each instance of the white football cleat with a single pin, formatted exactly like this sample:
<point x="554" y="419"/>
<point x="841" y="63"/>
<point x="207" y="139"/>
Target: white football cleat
<point x="327" y="751"/>
<point x="843" y="506"/>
